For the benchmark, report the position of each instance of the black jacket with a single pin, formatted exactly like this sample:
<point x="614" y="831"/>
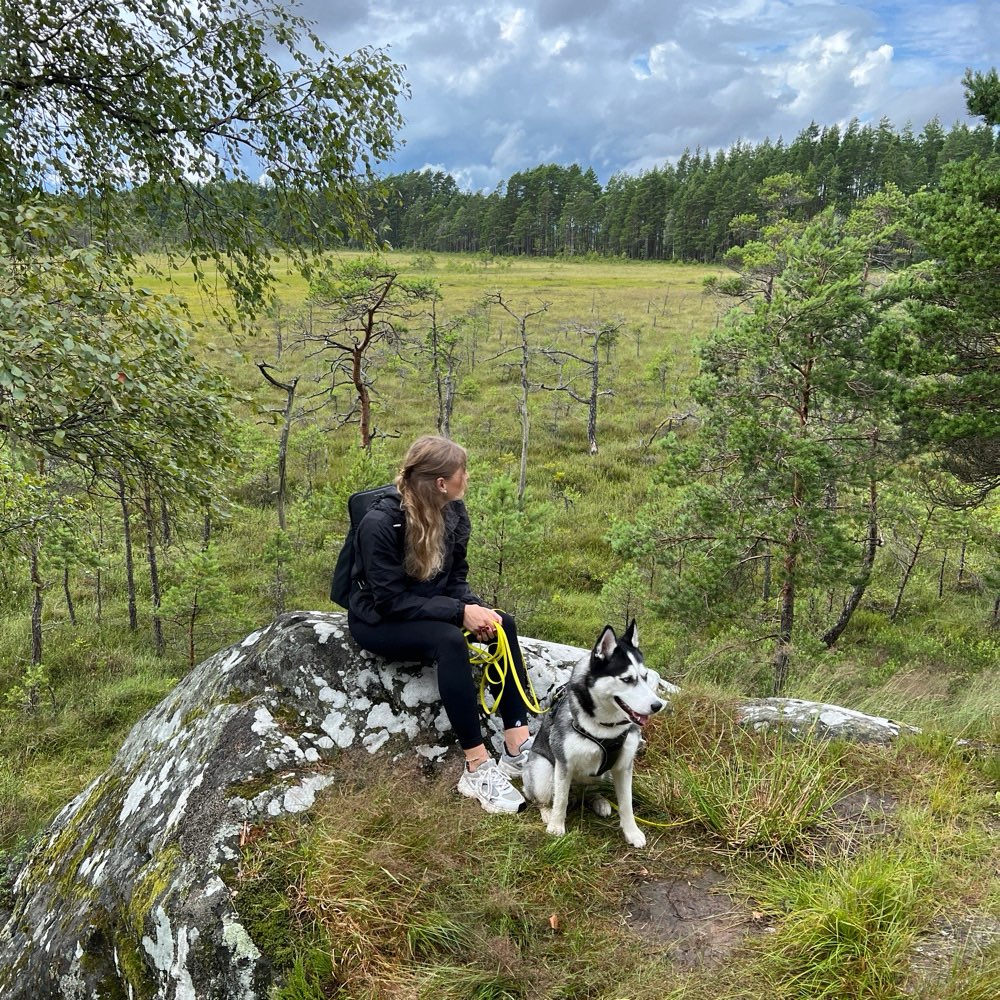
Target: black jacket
<point x="382" y="590"/>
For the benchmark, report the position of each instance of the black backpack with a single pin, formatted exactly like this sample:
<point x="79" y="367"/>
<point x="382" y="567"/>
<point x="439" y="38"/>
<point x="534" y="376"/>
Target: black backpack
<point x="358" y="504"/>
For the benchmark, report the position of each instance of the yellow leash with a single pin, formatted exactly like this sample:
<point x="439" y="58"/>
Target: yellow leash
<point x="496" y="667"/>
<point x="653" y="822"/>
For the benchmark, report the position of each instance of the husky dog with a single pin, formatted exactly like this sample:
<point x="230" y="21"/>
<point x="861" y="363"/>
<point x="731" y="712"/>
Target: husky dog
<point x="593" y="729"/>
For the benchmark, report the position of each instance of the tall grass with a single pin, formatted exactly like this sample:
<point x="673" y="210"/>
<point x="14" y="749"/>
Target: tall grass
<point x="768" y="791"/>
<point x="846" y="929"/>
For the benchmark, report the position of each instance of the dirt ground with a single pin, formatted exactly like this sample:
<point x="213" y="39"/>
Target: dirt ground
<point x="695" y="920"/>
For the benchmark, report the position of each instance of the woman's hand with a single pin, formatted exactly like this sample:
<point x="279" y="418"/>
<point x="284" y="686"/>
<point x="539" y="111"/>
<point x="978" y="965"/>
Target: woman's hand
<point x="480" y="621"/>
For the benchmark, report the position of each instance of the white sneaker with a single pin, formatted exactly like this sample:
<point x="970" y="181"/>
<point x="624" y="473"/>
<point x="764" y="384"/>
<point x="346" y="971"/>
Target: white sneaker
<point x="512" y="764"/>
<point x="492" y="787"/>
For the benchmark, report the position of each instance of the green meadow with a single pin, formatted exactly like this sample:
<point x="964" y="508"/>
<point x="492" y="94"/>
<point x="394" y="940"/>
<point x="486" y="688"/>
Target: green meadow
<point x="373" y="901"/>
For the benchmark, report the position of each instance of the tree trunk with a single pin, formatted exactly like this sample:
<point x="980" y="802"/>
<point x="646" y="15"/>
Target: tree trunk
<point x="867" y="562"/>
<point x="69" y="597"/>
<point x="785" y="628"/>
<point x="909" y="568"/>
<point x="37" y="590"/>
<point x="440" y="385"/>
<point x="595" y="377"/>
<point x="787" y="595"/>
<point x="192" y="621"/>
<point x="286" y="428"/>
<point x="98" y="596"/>
<point x="133" y="616"/>
<point x="450" y="384"/>
<point x="522" y="481"/>
<point x="165" y="523"/>
<point x="522" y="322"/>
<point x="154" y="572"/>
<point x="364" y="401"/>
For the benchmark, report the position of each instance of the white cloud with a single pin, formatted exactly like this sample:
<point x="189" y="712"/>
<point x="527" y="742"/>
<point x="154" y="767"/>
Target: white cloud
<point x="828" y="78"/>
<point x="628" y="84"/>
<point x="871" y="69"/>
<point x="513" y="25"/>
<point x="507" y="153"/>
<point x="668" y="61"/>
<point x="739" y="11"/>
<point x="555" y="44"/>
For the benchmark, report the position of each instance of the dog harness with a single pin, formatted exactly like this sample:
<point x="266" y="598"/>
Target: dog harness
<point x="611" y="748"/>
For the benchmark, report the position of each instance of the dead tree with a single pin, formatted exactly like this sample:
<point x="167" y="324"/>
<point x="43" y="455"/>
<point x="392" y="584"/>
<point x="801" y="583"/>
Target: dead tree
<point x="154" y="571"/>
<point x="133" y="616"/>
<point x="365" y="304"/>
<point x="442" y="347"/>
<point x="587" y="370"/>
<point x="524" y="355"/>
<point x="931" y="508"/>
<point x="287" y="415"/>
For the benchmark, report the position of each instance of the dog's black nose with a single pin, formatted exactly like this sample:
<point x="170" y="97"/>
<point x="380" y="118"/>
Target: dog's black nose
<point x="656" y="707"/>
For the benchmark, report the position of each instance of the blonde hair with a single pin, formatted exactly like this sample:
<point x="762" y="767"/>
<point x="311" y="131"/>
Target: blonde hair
<point x="428" y="459"/>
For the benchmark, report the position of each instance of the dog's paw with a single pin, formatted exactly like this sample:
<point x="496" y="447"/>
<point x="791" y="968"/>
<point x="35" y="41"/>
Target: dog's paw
<point x="555" y="828"/>
<point x="600" y="805"/>
<point x="635" y="837"/>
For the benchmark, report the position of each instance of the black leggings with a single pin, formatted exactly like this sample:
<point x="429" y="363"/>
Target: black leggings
<point x="445" y="643"/>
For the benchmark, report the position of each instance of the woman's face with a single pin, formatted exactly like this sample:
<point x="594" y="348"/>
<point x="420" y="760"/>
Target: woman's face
<point x="454" y="486"/>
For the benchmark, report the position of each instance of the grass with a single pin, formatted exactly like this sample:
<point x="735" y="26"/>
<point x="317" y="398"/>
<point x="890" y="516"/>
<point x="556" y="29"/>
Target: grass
<point x="399" y="899"/>
<point x="441" y="900"/>
<point x="48" y="756"/>
<point x="767" y="792"/>
<point x="846" y="929"/>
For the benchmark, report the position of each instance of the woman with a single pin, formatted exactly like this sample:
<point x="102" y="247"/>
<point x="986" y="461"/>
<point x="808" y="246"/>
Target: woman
<point x="410" y="599"/>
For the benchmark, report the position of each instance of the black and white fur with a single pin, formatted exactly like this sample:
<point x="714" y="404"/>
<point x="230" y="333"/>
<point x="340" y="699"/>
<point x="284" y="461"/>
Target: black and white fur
<point x="594" y="727"/>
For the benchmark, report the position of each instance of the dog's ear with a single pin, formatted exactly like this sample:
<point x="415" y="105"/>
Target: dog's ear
<point x="632" y="634"/>
<point x="606" y="642"/>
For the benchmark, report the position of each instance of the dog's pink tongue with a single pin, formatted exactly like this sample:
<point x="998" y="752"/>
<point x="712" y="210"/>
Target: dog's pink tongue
<point x="641" y="719"/>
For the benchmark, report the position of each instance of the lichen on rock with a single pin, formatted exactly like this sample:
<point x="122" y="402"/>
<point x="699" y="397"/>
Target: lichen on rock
<point x="125" y="893"/>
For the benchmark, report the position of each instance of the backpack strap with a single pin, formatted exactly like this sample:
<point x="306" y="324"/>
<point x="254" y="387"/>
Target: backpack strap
<point x="358" y="504"/>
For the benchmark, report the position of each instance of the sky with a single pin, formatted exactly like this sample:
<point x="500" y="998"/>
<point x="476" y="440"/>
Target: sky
<point x="628" y="85"/>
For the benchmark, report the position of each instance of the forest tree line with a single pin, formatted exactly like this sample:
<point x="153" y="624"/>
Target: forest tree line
<point x="681" y="211"/>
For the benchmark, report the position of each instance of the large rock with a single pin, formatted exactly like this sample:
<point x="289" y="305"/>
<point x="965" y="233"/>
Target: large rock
<point x="126" y="895"/>
<point x="819" y="719"/>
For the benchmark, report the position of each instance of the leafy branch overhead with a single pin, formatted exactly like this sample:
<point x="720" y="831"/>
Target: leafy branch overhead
<point x="98" y="373"/>
<point x="172" y="98"/>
